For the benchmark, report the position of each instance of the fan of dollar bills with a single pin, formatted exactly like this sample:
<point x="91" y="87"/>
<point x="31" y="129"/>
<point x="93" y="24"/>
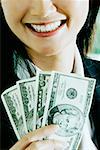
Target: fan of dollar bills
<point x="50" y="98"/>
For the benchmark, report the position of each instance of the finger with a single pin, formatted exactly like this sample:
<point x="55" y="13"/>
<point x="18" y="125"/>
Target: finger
<point x="45" y="145"/>
<point x="43" y="132"/>
<point x="34" y="136"/>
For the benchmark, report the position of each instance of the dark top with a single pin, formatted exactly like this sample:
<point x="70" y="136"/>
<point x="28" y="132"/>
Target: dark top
<point x="92" y="69"/>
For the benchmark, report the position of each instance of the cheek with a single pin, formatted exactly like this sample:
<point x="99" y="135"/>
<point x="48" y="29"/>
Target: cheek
<point x="14" y="10"/>
<point x="71" y="7"/>
<point x="80" y="13"/>
<point x="75" y="10"/>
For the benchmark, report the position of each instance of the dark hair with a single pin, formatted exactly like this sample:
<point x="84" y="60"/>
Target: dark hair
<point x="86" y="35"/>
<point x="9" y="43"/>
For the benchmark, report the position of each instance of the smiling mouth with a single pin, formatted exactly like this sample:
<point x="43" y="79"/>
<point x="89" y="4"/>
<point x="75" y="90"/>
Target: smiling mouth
<point x="45" y="29"/>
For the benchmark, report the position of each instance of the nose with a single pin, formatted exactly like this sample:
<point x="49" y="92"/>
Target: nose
<point x="42" y="8"/>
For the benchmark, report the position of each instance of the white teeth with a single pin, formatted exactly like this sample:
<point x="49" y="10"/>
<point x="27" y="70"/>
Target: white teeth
<point x="46" y="28"/>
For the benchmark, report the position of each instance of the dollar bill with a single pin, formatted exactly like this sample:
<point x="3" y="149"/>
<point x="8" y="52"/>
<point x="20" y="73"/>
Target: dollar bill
<point x="12" y="105"/>
<point x="42" y="81"/>
<point x="26" y="89"/>
<point x="68" y="103"/>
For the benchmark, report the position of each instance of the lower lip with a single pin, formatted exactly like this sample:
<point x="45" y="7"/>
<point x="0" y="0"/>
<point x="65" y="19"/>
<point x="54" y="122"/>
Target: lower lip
<point x="47" y="34"/>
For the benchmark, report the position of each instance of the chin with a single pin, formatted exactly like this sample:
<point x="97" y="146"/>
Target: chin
<point x="49" y="52"/>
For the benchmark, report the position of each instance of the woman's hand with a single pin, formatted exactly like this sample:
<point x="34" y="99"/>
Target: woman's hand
<point x="34" y="140"/>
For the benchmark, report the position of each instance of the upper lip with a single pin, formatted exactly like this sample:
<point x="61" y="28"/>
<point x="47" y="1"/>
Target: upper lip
<point x="44" y="20"/>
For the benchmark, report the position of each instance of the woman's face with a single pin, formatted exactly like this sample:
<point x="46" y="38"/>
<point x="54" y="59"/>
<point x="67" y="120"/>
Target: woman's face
<point x="46" y="26"/>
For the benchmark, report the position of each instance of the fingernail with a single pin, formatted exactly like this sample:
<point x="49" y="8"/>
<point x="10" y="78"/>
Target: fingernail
<point x="55" y="126"/>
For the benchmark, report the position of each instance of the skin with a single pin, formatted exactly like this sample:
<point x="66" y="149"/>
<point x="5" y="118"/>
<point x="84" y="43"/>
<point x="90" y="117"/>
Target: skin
<point x="46" y="52"/>
<point x="33" y="140"/>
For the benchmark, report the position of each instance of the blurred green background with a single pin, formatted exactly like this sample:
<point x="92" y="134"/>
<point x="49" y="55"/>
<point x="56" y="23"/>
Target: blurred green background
<point x="95" y="53"/>
<point x="96" y="47"/>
